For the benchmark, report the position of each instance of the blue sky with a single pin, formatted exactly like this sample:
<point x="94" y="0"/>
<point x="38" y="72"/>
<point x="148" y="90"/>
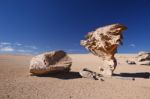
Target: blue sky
<point x="36" y="26"/>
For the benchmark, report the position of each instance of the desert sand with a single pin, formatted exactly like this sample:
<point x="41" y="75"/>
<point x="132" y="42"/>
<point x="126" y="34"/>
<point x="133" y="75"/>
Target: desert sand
<point x="17" y="83"/>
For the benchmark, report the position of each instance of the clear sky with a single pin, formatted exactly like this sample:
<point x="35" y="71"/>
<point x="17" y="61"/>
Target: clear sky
<point x="36" y="26"/>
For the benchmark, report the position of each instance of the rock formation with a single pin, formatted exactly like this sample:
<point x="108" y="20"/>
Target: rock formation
<point x="50" y="62"/>
<point x="103" y="42"/>
<point x="143" y="58"/>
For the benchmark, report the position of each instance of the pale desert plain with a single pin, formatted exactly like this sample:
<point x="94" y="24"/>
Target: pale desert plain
<point x="17" y="83"/>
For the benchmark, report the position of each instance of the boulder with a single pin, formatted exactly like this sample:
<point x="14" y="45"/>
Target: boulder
<point x="50" y="62"/>
<point x="147" y="62"/>
<point x="143" y="56"/>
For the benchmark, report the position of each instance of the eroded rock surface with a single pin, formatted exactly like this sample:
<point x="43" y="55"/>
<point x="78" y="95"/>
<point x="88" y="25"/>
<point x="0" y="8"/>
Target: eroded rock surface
<point x="49" y="62"/>
<point x="103" y="42"/>
<point x="86" y="73"/>
<point x="143" y="58"/>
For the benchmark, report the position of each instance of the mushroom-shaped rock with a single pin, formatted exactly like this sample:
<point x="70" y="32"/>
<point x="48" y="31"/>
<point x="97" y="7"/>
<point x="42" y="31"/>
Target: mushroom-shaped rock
<point x="103" y="42"/>
<point x="50" y="62"/>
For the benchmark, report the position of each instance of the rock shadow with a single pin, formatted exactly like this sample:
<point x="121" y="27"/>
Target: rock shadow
<point x="145" y="75"/>
<point x="62" y="75"/>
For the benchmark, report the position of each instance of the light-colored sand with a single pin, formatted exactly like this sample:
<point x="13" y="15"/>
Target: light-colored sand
<point x="15" y="82"/>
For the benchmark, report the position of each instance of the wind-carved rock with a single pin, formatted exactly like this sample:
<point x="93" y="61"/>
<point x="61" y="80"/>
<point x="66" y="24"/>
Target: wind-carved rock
<point x="143" y="58"/>
<point x="103" y="42"/>
<point x="50" y="62"/>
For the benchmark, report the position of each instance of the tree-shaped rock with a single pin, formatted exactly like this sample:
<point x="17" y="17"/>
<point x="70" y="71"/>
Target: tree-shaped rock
<point x="103" y="42"/>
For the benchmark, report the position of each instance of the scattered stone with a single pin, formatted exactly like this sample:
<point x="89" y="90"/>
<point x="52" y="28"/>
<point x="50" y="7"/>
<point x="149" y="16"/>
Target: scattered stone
<point x="50" y="62"/>
<point x="143" y="56"/>
<point x="103" y="42"/>
<point x="130" y="62"/>
<point x="86" y="73"/>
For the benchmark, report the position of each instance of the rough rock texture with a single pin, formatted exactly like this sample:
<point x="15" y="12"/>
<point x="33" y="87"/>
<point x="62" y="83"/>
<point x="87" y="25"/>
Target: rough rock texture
<point x="86" y="73"/>
<point x="103" y="42"/>
<point x="144" y="62"/>
<point x="130" y="62"/>
<point x="56" y="61"/>
<point x="143" y="58"/>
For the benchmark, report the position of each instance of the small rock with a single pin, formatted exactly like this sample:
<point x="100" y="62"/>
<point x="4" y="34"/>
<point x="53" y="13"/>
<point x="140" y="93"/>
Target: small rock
<point x="86" y="73"/>
<point x="130" y="62"/>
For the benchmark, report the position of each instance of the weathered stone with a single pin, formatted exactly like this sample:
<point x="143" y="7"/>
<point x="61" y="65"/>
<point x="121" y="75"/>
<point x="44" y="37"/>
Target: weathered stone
<point x="143" y="56"/>
<point x="130" y="62"/>
<point x="103" y="42"/>
<point x="108" y="67"/>
<point x="146" y="62"/>
<point x="49" y="62"/>
<point x="86" y="73"/>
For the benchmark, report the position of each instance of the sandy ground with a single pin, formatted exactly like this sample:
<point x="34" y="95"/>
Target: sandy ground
<point x="16" y="83"/>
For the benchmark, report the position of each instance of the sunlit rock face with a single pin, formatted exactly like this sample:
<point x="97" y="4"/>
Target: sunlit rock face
<point x="143" y="58"/>
<point x="103" y="42"/>
<point x="50" y="62"/>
